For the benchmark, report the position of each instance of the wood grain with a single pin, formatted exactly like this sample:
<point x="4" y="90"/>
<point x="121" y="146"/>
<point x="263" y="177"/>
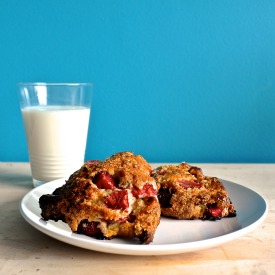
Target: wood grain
<point x="24" y="250"/>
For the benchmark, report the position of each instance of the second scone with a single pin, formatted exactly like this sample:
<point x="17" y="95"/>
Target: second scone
<point x="186" y="193"/>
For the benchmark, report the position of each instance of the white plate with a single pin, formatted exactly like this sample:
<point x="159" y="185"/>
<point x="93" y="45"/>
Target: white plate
<point x="172" y="236"/>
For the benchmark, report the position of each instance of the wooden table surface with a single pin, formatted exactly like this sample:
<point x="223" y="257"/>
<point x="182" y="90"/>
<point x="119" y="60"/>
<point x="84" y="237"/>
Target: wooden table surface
<point x="25" y="250"/>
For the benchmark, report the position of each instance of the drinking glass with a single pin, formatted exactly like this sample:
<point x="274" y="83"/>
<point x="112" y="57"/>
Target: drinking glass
<point x="56" y="121"/>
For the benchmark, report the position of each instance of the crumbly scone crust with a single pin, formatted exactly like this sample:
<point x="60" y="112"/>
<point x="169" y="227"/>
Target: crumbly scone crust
<point x="186" y="193"/>
<point x="137" y="213"/>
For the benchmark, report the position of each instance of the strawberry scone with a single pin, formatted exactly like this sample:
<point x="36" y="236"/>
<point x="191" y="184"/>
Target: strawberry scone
<point x="116" y="197"/>
<point x="185" y="193"/>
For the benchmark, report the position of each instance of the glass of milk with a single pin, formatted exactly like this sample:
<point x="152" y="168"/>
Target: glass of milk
<point x="56" y="120"/>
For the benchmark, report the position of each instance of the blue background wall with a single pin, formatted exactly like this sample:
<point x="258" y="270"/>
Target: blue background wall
<point x="174" y="80"/>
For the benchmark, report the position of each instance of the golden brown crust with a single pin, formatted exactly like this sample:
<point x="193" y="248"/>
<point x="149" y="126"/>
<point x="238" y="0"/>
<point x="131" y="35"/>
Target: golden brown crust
<point x="112" y="206"/>
<point x="122" y="197"/>
<point x="185" y="193"/>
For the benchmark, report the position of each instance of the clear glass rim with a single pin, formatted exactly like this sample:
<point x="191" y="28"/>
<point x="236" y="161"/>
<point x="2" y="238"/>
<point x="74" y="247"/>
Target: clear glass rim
<point x="55" y="84"/>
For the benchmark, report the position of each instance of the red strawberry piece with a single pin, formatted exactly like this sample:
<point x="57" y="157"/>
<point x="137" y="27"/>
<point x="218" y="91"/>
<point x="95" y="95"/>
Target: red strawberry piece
<point x="190" y="184"/>
<point x="88" y="228"/>
<point x="117" y="200"/>
<point x="103" y="180"/>
<point x="215" y="212"/>
<point x="147" y="191"/>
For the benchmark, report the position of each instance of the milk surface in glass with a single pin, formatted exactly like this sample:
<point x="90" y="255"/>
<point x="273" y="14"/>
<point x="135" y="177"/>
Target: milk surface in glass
<point x="56" y="137"/>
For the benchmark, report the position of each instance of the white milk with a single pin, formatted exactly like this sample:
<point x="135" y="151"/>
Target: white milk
<point x="56" y="137"/>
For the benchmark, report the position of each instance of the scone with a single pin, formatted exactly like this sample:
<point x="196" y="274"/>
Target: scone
<point x="185" y="193"/>
<point x="116" y="197"/>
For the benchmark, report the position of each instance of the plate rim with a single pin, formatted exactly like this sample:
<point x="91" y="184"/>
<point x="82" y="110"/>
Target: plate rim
<point x="135" y="249"/>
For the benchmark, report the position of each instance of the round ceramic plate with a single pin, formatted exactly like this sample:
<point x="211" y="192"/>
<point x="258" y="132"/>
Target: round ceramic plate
<point x="172" y="236"/>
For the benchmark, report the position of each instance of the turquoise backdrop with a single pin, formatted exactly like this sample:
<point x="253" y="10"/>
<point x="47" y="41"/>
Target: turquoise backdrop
<point x="173" y="80"/>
